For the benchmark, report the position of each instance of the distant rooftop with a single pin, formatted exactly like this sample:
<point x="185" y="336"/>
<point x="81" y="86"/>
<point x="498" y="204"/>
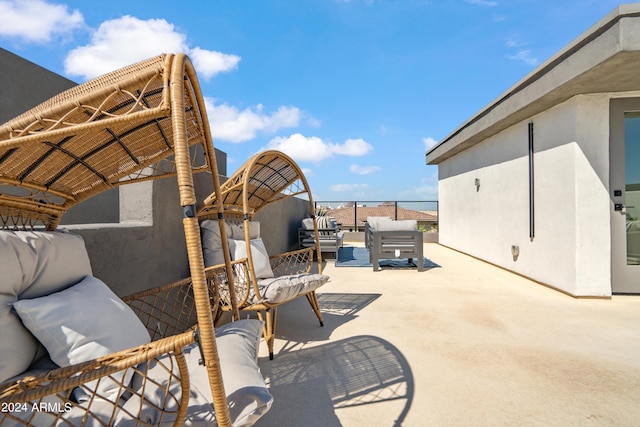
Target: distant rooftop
<point x="345" y="215"/>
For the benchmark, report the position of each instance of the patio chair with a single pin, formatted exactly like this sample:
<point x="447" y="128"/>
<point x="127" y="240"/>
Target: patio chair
<point x="155" y="360"/>
<point x="261" y="282"/>
<point x="388" y="239"/>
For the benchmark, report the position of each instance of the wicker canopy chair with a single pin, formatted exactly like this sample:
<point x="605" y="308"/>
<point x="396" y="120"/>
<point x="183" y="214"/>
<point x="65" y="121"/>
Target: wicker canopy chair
<point x="268" y="177"/>
<point x="143" y="122"/>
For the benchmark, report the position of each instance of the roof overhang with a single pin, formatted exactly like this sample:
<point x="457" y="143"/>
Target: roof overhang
<point x="605" y="58"/>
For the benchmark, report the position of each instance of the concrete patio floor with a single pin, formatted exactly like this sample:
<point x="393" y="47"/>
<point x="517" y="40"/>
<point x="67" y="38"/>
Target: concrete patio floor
<point x="463" y="344"/>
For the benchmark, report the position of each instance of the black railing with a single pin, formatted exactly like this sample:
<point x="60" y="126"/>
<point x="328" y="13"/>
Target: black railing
<point x="352" y="215"/>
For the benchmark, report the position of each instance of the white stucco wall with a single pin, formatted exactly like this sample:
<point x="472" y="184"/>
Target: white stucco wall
<point x="571" y="247"/>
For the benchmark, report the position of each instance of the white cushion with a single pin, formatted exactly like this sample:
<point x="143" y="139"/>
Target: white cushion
<point x="248" y="396"/>
<point x="261" y="265"/>
<point x="211" y="242"/>
<point x="308" y="223"/>
<point x="374" y="221"/>
<point x="32" y="264"/>
<point x="404" y="225"/>
<point x="244" y="384"/>
<point x="283" y="288"/>
<point x="81" y="323"/>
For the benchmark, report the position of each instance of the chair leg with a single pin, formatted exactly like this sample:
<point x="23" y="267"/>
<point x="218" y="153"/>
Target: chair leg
<point x="313" y="301"/>
<point x="269" y="328"/>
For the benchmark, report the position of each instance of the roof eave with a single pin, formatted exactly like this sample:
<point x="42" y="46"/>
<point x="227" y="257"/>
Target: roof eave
<point x="602" y="59"/>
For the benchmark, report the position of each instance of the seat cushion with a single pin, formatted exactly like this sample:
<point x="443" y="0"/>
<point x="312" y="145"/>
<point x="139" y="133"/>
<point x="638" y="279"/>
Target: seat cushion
<point x="283" y="288"/>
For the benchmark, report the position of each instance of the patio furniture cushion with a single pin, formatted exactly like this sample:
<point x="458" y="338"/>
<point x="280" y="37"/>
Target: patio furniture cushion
<point x="324" y="223"/>
<point x="283" y="288"/>
<point x="81" y="323"/>
<point x="374" y="221"/>
<point x="211" y="243"/>
<point x="32" y="264"/>
<point x="403" y="225"/>
<point x="259" y="254"/>
<point x="248" y="395"/>
<point x="307" y="223"/>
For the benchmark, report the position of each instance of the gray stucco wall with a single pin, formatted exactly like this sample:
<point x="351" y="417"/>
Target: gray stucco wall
<point x="279" y="223"/>
<point x="23" y="85"/>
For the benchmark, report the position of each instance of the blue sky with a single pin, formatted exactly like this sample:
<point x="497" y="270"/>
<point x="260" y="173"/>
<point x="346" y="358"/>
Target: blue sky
<point x="355" y="91"/>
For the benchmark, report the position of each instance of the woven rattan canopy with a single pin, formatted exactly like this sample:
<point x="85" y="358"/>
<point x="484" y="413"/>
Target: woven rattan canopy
<point x="265" y="178"/>
<point x="116" y="129"/>
<point x="142" y="122"/>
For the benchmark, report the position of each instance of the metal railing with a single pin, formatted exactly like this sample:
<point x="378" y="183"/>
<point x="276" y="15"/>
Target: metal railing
<point x="352" y="215"/>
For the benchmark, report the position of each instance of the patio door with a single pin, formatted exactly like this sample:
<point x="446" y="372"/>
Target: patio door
<point x="625" y="195"/>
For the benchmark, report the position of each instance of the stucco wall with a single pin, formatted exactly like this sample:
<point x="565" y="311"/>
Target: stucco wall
<point x="571" y="247"/>
<point x="146" y="248"/>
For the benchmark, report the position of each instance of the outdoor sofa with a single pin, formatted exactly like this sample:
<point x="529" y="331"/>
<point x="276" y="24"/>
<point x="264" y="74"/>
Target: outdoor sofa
<point x="331" y="238"/>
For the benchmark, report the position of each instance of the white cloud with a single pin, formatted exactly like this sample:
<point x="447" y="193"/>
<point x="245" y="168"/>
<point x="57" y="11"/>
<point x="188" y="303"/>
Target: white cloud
<point x="486" y="3"/>
<point x="302" y="148"/>
<point x="230" y="124"/>
<point x="363" y="170"/>
<point x="314" y="149"/>
<point x="524" y="56"/>
<point x="117" y="43"/>
<point x="36" y="21"/>
<point x="340" y="188"/>
<point x="429" y="143"/>
<point x="352" y="147"/>
<point x="208" y="63"/>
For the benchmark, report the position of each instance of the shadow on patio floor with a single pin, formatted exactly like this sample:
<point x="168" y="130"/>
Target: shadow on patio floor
<point x="310" y="384"/>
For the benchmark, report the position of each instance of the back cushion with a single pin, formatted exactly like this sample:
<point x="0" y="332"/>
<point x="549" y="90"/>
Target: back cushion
<point x="374" y="221"/>
<point x="211" y="242"/>
<point x="33" y="264"/>
<point x="403" y="225"/>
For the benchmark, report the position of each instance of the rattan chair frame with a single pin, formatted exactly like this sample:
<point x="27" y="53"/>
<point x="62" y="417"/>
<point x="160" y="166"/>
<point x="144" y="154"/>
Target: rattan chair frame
<point x="268" y="177"/>
<point x="143" y="122"/>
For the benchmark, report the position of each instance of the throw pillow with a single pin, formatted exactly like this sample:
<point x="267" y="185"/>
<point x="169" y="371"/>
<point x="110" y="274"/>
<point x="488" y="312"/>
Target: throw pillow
<point x="81" y="323"/>
<point x="261" y="265"/>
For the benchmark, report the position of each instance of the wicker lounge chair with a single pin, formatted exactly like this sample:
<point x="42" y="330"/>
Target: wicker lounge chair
<point x="143" y="122"/>
<point x="263" y="283"/>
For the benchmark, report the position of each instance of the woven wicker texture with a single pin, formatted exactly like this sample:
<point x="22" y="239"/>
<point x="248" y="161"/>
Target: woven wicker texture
<point x="267" y="177"/>
<point x="142" y="122"/>
<point x="107" y="132"/>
